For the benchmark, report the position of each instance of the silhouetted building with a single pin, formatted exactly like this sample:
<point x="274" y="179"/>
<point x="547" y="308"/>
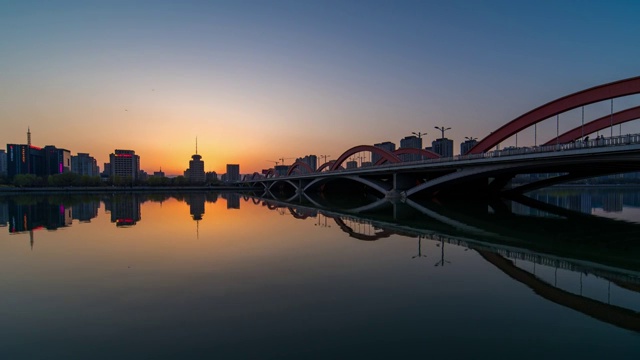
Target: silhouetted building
<point x="196" y="170"/>
<point x="366" y="164"/>
<point x="3" y="163"/>
<point x="443" y="147"/>
<point x="280" y="170"/>
<point x="25" y="159"/>
<point x="467" y="145"/>
<point x="410" y="142"/>
<point x="310" y="160"/>
<point x="387" y="145"/>
<point x="211" y="176"/>
<point x="233" y="172"/>
<point x="106" y="169"/>
<point x="58" y="161"/>
<point x="159" y="173"/>
<point x="125" y="164"/>
<point x="85" y="165"/>
<point x="352" y="164"/>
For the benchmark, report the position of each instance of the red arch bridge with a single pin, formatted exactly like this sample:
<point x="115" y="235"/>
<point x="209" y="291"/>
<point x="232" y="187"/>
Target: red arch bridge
<point x="481" y="171"/>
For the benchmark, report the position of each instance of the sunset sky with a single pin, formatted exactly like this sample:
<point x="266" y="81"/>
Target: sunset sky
<point x="260" y="80"/>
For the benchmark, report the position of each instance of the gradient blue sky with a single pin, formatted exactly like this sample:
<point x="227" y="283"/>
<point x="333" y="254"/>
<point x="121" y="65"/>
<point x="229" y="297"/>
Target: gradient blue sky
<point x="260" y="80"/>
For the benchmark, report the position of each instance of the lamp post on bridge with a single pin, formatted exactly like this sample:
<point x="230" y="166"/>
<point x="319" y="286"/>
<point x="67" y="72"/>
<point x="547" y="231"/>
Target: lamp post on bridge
<point x="419" y="135"/>
<point x="468" y="144"/>
<point x="443" y="129"/>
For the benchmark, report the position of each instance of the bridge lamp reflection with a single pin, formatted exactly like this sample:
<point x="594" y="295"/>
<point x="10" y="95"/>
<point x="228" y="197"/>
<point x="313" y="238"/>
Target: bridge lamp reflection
<point x="442" y="260"/>
<point x="419" y="255"/>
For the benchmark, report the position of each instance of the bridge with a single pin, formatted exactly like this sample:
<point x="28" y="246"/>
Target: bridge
<point x="481" y="171"/>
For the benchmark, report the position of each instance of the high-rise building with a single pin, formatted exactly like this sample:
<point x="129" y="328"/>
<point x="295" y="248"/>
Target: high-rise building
<point x="467" y="145"/>
<point x="310" y="160"/>
<point x="3" y="163"/>
<point x="107" y="170"/>
<point x="387" y="145"/>
<point x="85" y="165"/>
<point x="443" y="147"/>
<point x="58" y="161"/>
<point x="196" y="169"/>
<point x="233" y="172"/>
<point x="352" y="164"/>
<point x="25" y="159"/>
<point x="411" y="142"/>
<point x="195" y="173"/>
<point x="125" y="164"/>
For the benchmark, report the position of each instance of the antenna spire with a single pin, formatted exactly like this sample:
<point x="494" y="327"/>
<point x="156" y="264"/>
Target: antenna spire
<point x="28" y="135"/>
<point x="196" y="145"/>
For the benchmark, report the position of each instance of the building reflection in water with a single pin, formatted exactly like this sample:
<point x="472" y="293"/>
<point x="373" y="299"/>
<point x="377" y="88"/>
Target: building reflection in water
<point x="4" y="214"/>
<point x="196" y="205"/>
<point x="233" y="200"/>
<point x="196" y="208"/>
<point x="528" y="249"/>
<point x="531" y="241"/>
<point x="584" y="201"/>
<point x="85" y="211"/>
<point x="27" y="214"/>
<point x="124" y="209"/>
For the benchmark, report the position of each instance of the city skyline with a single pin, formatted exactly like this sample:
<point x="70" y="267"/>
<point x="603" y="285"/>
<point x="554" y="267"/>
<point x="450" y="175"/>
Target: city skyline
<point x="257" y="81"/>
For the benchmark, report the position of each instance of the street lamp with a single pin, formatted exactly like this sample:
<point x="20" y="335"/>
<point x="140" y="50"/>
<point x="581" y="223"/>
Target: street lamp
<point x="419" y="135"/>
<point x="443" y="129"/>
<point x="442" y="149"/>
<point x="471" y="138"/>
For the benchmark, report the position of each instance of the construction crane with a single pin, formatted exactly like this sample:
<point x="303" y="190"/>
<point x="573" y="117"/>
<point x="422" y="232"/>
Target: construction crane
<point x="276" y="162"/>
<point x="282" y="159"/>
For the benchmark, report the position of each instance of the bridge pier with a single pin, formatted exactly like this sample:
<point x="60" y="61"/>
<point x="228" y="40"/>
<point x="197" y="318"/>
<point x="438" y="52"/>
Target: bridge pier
<point x="401" y="183"/>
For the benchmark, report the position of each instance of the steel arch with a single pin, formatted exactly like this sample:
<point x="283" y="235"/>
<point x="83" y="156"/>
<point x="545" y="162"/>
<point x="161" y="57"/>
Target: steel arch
<point x="325" y="165"/>
<point x="299" y="164"/>
<point x="385" y="154"/>
<point x="555" y="107"/>
<point x="270" y="173"/>
<point x="597" y="125"/>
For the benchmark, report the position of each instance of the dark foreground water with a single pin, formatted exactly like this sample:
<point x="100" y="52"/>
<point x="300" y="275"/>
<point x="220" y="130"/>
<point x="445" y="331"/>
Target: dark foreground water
<point x="225" y="276"/>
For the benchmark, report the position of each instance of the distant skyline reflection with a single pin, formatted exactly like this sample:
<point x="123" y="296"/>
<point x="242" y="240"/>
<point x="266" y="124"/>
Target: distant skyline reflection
<point x="256" y="277"/>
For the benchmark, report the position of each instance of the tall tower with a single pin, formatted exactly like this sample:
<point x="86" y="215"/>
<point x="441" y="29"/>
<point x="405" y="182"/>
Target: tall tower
<point x="28" y="136"/>
<point x="196" y="167"/>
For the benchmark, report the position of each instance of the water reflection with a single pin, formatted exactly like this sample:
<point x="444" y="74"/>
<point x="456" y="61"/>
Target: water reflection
<point x="270" y="262"/>
<point x="521" y="238"/>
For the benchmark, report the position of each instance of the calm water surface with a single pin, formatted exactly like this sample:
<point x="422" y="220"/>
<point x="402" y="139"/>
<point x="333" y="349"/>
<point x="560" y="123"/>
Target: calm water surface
<point x="228" y="276"/>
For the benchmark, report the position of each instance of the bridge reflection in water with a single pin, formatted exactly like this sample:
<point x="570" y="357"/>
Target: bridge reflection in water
<point x="582" y="247"/>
